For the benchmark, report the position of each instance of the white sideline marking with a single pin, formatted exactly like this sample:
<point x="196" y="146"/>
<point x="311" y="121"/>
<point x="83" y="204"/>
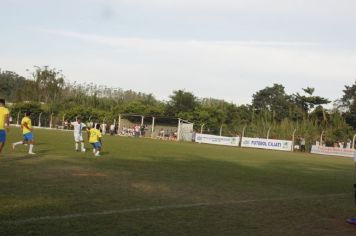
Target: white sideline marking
<point x="165" y="207"/>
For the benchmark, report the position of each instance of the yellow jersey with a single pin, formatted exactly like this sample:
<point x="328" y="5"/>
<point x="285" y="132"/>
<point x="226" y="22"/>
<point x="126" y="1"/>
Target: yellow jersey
<point x="95" y="135"/>
<point x="26" y="120"/>
<point x="4" y="112"/>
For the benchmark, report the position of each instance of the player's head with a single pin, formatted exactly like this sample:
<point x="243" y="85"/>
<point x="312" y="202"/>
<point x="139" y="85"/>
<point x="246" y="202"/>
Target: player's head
<point x="97" y="126"/>
<point x="27" y="113"/>
<point x="2" y="101"/>
<point x="78" y="119"/>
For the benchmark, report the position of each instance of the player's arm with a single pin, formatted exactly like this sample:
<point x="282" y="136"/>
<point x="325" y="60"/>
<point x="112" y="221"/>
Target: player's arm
<point x="99" y="137"/>
<point x="26" y="126"/>
<point x="7" y="122"/>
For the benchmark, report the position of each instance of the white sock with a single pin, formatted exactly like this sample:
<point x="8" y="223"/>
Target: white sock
<point x="31" y="147"/>
<point x="76" y="146"/>
<point x="17" y="143"/>
<point x="97" y="153"/>
<point x="82" y="145"/>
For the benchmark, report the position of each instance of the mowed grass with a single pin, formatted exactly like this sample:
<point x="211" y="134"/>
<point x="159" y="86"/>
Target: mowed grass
<point x="155" y="187"/>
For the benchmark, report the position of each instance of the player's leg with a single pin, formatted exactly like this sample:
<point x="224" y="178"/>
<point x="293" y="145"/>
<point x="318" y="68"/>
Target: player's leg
<point x="24" y="141"/>
<point x="2" y="139"/>
<point x="94" y="148"/>
<point x="82" y="148"/>
<point x="97" y="149"/>
<point x="31" y="143"/>
<point x="76" y="140"/>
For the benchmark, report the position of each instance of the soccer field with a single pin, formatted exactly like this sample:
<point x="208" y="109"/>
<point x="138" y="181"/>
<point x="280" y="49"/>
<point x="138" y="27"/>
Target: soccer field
<point x="155" y="187"/>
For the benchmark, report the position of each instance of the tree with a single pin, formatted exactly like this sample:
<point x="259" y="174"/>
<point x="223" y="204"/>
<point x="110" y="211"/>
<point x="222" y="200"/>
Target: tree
<point x="181" y="102"/>
<point x="348" y="101"/>
<point x="273" y="99"/>
<point x="306" y="103"/>
<point x="49" y="84"/>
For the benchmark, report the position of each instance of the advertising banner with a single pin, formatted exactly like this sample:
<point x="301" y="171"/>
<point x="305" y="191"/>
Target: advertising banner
<point x="273" y="144"/>
<point x="219" y="140"/>
<point x="333" y="151"/>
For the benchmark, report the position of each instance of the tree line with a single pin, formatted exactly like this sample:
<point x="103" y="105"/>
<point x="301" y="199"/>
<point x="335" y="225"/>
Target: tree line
<point x="46" y="91"/>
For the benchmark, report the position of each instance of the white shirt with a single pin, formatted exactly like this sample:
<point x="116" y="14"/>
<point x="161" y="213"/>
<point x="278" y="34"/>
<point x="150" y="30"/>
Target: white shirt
<point x="78" y="127"/>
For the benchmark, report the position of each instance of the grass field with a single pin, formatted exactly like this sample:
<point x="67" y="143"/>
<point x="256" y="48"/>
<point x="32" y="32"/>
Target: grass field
<point x="154" y="187"/>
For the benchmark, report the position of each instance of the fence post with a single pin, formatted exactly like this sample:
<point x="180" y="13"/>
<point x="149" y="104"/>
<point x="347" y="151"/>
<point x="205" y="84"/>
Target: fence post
<point x="243" y="131"/>
<point x="269" y="129"/>
<point x="142" y="120"/>
<point x="39" y="120"/>
<point x="321" y="138"/>
<point x="51" y="121"/>
<point x="153" y="126"/>
<point x="179" y="130"/>
<point x="18" y="118"/>
<point x="201" y="128"/>
<point x="293" y="139"/>
<point x="242" y="135"/>
<point x="119" y="124"/>
<point x="353" y="142"/>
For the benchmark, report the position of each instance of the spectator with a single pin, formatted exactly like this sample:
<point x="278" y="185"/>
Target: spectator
<point x="348" y="144"/>
<point x="112" y="129"/>
<point x="302" y="144"/>
<point x="142" y="130"/>
<point x="161" y="133"/>
<point x="103" y="128"/>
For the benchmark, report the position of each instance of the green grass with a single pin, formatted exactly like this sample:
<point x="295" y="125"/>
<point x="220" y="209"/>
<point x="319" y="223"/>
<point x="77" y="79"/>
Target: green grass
<point x="153" y="187"/>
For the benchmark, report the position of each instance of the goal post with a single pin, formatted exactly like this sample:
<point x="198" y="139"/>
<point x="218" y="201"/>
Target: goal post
<point x="185" y="130"/>
<point x="168" y="128"/>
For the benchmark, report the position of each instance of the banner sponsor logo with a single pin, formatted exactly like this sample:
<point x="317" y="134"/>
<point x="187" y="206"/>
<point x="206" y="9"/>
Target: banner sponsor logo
<point x="273" y="144"/>
<point x="219" y="140"/>
<point x="333" y="151"/>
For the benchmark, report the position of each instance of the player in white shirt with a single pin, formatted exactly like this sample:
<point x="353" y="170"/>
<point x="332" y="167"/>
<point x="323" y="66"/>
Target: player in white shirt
<point x="78" y="138"/>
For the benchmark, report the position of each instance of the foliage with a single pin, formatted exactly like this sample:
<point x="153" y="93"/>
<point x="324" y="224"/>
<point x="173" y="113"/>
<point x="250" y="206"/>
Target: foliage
<point x="272" y="110"/>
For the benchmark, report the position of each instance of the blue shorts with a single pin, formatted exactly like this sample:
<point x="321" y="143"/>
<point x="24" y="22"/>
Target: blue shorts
<point x="2" y="136"/>
<point x="28" y="137"/>
<point x="96" y="145"/>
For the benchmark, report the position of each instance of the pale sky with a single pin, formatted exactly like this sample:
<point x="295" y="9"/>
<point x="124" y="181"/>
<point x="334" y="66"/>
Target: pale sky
<point x="224" y="49"/>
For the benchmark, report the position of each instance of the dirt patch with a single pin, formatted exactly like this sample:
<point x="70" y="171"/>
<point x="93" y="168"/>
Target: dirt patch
<point x="95" y="174"/>
<point x="151" y="187"/>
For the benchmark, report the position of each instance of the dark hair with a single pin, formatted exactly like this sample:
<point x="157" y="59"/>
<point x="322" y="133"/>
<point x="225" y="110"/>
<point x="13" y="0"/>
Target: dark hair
<point x="28" y="113"/>
<point x="2" y="101"/>
<point x="97" y="126"/>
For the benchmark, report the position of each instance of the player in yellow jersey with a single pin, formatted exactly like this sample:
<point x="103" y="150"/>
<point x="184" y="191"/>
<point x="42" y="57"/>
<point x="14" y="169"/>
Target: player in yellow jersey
<point x="4" y="123"/>
<point x="26" y="126"/>
<point x="94" y="137"/>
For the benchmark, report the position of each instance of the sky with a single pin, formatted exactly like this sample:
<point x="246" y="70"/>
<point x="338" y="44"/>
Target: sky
<point x="223" y="49"/>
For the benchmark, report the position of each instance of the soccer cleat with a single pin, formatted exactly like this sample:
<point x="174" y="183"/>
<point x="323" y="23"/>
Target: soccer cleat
<point x="31" y="153"/>
<point x="83" y="150"/>
<point x="351" y="221"/>
<point x="97" y="154"/>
